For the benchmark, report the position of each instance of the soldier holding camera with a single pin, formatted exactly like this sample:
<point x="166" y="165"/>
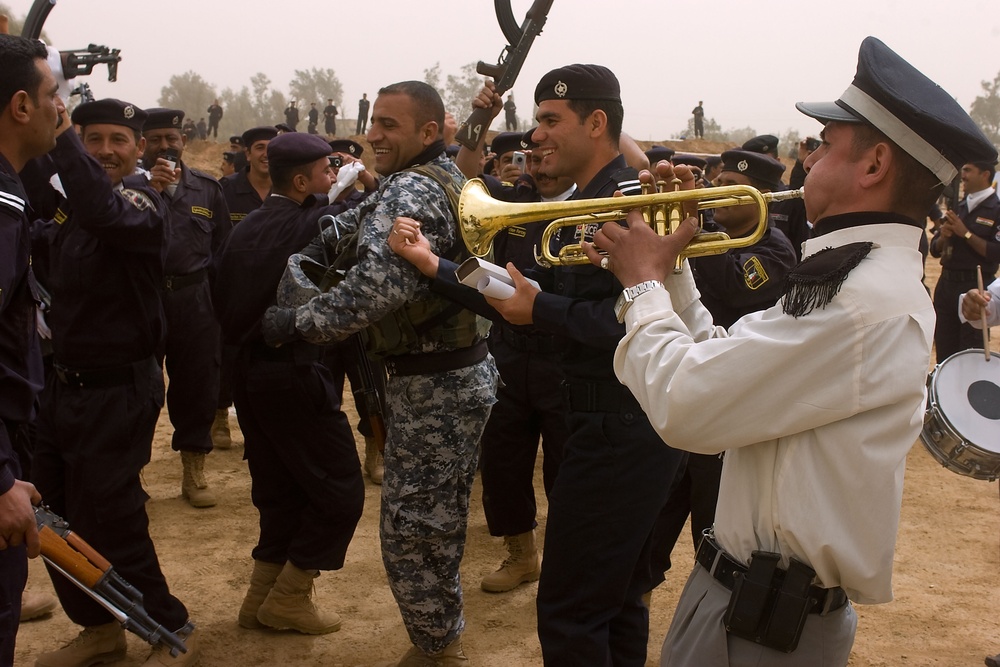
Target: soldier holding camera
<point x="198" y="222"/>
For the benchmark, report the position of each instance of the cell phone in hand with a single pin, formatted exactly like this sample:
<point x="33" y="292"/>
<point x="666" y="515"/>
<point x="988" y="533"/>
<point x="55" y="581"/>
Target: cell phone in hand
<point x="171" y="156"/>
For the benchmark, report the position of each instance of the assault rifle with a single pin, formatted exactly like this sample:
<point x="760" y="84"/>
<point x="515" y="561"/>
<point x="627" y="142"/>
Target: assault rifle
<point x="368" y="392"/>
<point x="68" y="554"/>
<point x="75" y="62"/>
<point x="505" y="72"/>
<point x="81" y="62"/>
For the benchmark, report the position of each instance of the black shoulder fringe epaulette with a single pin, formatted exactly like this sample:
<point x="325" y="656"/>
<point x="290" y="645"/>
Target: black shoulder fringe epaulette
<point x="816" y="280"/>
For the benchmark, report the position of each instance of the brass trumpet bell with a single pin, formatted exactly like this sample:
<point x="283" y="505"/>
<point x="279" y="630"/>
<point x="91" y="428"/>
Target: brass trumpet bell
<point x="481" y="217"/>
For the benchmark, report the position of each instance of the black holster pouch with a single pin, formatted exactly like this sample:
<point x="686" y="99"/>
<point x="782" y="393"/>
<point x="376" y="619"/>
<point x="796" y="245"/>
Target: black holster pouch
<point x="750" y="603"/>
<point x="791" y="607"/>
<point x="771" y="612"/>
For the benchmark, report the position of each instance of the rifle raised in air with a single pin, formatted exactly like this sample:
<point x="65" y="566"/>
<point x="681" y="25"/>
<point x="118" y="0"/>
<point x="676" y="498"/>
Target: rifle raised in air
<point x="505" y="72"/>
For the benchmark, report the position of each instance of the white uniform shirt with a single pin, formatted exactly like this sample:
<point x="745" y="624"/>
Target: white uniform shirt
<point x="816" y="414"/>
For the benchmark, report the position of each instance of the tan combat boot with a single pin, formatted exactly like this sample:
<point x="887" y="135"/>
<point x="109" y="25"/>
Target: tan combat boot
<point x="160" y="655"/>
<point x="221" y="437"/>
<point x="524" y="564"/>
<point x="289" y="605"/>
<point x="261" y="581"/>
<point x="194" y="488"/>
<point x="35" y="605"/>
<point x="95" y="645"/>
<point x="374" y="462"/>
<point x="451" y="656"/>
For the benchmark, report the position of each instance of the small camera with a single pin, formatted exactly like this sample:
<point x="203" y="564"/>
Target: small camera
<point x="336" y="161"/>
<point x="519" y="160"/>
<point x="171" y="156"/>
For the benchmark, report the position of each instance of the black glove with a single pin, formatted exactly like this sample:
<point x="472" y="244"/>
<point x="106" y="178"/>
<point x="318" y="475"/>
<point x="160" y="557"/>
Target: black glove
<point x="278" y="326"/>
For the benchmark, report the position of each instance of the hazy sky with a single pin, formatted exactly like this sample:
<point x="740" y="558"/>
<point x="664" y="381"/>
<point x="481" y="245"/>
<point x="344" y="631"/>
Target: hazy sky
<point x="750" y="61"/>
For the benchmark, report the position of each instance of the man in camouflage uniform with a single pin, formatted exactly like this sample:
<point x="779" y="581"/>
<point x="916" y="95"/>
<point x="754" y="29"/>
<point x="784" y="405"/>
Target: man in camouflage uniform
<point x="441" y="381"/>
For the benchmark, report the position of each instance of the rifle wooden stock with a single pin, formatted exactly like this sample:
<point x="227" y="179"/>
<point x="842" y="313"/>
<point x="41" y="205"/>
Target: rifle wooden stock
<point x="58" y="550"/>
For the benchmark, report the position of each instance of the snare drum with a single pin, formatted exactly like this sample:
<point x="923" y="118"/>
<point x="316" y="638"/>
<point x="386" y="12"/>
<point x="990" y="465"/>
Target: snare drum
<point x="962" y="422"/>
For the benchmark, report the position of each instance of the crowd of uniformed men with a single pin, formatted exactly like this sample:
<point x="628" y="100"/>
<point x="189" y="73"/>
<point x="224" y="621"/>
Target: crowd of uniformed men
<point x="266" y="288"/>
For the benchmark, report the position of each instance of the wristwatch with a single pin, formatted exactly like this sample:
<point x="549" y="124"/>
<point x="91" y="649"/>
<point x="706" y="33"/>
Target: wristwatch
<point x="967" y="235"/>
<point x="629" y="294"/>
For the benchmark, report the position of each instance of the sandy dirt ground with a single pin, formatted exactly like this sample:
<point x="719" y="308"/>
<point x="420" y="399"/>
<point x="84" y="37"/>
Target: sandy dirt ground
<point x="945" y="579"/>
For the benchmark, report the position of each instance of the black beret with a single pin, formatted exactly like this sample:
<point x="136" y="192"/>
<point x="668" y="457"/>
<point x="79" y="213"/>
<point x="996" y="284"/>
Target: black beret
<point x="111" y="112"/>
<point x="159" y="118"/>
<point x="236" y="139"/>
<point x="578" y="82"/>
<point x="762" y="143"/>
<point x="689" y="160"/>
<point x="352" y="148"/>
<point x="527" y="143"/>
<point x="657" y="153"/>
<point x="282" y="127"/>
<point x="295" y="148"/>
<point x="757" y="166"/>
<point x="913" y="111"/>
<point x="506" y="142"/>
<point x="263" y="133"/>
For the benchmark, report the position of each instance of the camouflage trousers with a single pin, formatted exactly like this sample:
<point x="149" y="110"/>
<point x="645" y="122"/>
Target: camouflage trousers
<point x="432" y="449"/>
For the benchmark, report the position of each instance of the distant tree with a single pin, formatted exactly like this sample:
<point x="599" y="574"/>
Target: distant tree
<point x="432" y="77"/>
<point x="240" y="114"/>
<point x="190" y="93"/>
<point x="739" y="135"/>
<point x="712" y="131"/>
<point x="316" y="85"/>
<point x="15" y="25"/>
<point x="460" y="89"/>
<point x="986" y="109"/>
<point x="789" y="143"/>
<point x="268" y="104"/>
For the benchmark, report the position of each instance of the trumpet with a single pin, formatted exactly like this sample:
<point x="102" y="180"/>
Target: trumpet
<point x="481" y="217"/>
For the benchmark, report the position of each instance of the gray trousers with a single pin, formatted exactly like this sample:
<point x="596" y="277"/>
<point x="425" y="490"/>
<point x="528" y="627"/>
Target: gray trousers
<point x="433" y="426"/>
<point x="697" y="637"/>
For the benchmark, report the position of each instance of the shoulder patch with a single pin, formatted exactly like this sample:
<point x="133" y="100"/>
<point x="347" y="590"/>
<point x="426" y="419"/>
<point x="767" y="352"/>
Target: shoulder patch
<point x="236" y="217"/>
<point x="985" y="221"/>
<point x="202" y="211"/>
<point x="138" y="199"/>
<point x="754" y="274"/>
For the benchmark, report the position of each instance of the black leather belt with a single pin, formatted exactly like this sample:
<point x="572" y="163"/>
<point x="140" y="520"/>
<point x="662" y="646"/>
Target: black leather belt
<point x="540" y="343"/>
<point x="174" y="283"/>
<point x="725" y="570"/>
<point x="598" y="397"/>
<point x="965" y="275"/>
<point x="293" y="353"/>
<point x="96" y="377"/>
<point x="436" y="362"/>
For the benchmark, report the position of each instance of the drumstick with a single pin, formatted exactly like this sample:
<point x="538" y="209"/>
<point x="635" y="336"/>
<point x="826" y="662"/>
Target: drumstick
<point x="986" y="331"/>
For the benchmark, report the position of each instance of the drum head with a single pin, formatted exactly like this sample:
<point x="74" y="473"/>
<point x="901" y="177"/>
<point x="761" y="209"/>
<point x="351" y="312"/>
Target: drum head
<point x="966" y="388"/>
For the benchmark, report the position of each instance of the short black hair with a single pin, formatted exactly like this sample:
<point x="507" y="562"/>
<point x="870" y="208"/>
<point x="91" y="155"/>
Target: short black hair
<point x="986" y="166"/>
<point x="283" y="174"/>
<point x="915" y="187"/>
<point x="612" y="109"/>
<point x="427" y="102"/>
<point x="17" y="62"/>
